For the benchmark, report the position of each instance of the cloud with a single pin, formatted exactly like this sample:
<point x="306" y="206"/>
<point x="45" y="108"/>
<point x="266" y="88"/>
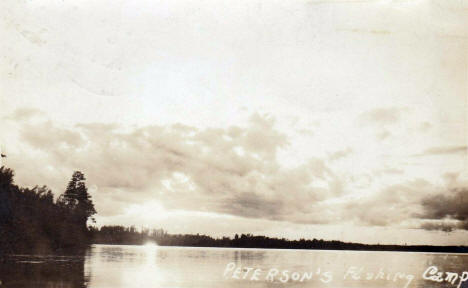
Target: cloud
<point x="438" y="226"/>
<point x="227" y="171"/>
<point x="24" y="114"/>
<point x="387" y="171"/>
<point x="452" y="205"/>
<point x="340" y="154"/>
<point x="390" y="206"/>
<point x="381" y="116"/>
<point x="374" y="32"/>
<point x="381" y="119"/>
<point x="425" y="126"/>
<point x="45" y="134"/>
<point x="443" y="150"/>
<point x="231" y="170"/>
<point x="408" y="204"/>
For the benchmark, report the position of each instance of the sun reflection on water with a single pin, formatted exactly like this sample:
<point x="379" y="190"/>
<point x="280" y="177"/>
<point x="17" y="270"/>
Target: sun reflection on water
<point x="150" y="250"/>
<point x="150" y="245"/>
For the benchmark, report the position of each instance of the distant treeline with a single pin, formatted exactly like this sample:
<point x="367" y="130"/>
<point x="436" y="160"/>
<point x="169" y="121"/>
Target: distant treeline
<point x="130" y="235"/>
<point x="31" y="221"/>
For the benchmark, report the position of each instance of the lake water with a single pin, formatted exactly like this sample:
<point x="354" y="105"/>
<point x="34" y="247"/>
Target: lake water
<point x="115" y="266"/>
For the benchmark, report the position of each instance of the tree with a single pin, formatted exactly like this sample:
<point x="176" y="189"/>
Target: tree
<point x="6" y="176"/>
<point x="77" y="199"/>
<point x="6" y="180"/>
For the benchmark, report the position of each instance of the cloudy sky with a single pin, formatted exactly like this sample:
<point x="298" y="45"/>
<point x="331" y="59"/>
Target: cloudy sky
<point x="329" y="119"/>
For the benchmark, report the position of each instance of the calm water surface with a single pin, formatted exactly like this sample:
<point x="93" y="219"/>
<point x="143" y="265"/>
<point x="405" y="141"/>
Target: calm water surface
<point x="115" y="266"/>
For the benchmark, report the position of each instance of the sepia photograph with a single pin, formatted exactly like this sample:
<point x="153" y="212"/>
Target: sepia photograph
<point x="234" y="143"/>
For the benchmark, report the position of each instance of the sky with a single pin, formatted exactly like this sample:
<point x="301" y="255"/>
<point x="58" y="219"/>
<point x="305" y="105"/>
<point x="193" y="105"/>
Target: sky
<point x="299" y="119"/>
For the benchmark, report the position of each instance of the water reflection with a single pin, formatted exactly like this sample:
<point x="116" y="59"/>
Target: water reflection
<point x="43" y="271"/>
<point x="152" y="266"/>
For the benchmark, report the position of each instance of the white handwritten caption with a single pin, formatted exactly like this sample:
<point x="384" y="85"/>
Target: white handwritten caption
<point x="432" y="273"/>
<point x="353" y="273"/>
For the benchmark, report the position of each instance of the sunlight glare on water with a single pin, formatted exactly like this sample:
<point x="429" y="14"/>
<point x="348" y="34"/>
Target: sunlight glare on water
<point x="150" y="245"/>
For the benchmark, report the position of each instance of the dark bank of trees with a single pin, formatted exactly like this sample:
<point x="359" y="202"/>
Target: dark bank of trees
<point x="122" y="235"/>
<point x="31" y="221"/>
<point x="126" y="235"/>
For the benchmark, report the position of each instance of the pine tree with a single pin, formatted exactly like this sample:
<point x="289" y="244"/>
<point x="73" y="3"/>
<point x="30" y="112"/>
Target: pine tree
<point x="77" y="199"/>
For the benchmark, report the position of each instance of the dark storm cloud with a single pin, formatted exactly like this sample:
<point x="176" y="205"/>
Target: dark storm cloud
<point x="452" y="205"/>
<point x="439" y="227"/>
<point x="444" y="211"/>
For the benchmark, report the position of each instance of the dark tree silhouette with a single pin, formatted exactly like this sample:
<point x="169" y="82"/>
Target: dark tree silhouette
<point x="6" y="179"/>
<point x="31" y="221"/>
<point x="77" y="199"/>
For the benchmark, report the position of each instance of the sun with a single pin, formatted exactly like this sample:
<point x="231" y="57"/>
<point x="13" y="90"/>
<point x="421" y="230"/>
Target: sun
<point x="150" y="244"/>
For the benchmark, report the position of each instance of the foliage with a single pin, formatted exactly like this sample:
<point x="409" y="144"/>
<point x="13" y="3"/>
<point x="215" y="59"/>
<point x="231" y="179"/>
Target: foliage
<point x="123" y="235"/>
<point x="31" y="221"/>
<point x="77" y="199"/>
